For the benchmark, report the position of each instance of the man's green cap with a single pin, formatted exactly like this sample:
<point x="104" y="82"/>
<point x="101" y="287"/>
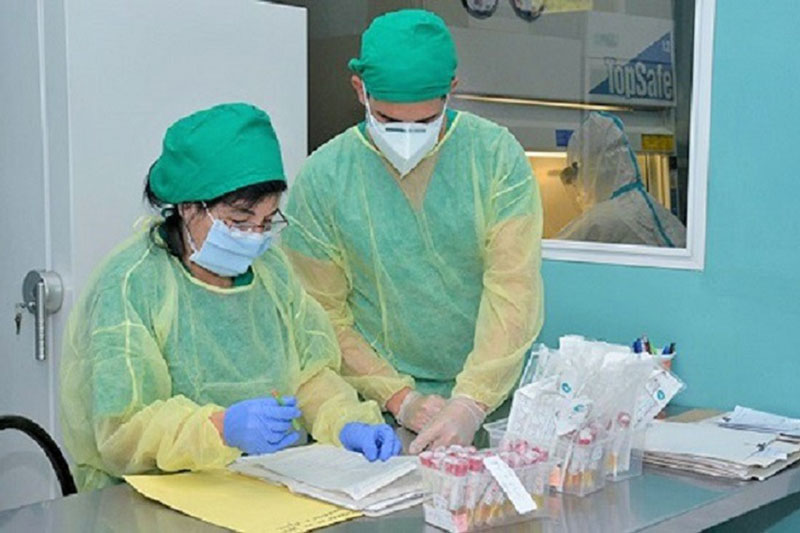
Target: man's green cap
<point x="406" y="56"/>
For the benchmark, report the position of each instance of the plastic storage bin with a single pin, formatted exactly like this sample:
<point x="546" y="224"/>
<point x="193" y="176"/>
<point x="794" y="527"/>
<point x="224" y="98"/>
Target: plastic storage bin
<point x="584" y="468"/>
<point x="625" y="455"/>
<point x="496" y="430"/>
<point x="465" y="497"/>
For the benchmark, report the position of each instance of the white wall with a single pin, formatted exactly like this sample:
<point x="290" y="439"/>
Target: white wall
<point x="135" y="67"/>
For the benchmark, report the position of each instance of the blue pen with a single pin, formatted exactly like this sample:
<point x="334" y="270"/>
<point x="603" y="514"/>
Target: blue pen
<point x="665" y="351"/>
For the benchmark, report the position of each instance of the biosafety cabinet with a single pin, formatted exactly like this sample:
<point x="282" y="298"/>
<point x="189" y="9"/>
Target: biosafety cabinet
<point x="541" y="78"/>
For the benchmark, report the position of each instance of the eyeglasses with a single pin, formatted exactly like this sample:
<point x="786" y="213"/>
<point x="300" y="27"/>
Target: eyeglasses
<point x="276" y="224"/>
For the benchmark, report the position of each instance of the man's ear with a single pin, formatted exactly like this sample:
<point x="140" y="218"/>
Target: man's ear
<point x="358" y="87"/>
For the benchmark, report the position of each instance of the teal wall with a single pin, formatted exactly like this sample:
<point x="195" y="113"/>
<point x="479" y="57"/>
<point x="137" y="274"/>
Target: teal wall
<point x="737" y="323"/>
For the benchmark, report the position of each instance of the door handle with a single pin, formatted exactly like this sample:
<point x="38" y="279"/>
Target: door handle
<point x="42" y="295"/>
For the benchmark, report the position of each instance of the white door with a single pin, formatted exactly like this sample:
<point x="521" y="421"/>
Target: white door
<point x="25" y="383"/>
<point x="74" y="150"/>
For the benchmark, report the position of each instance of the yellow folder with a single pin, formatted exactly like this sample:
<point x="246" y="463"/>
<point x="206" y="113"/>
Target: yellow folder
<point x="238" y="502"/>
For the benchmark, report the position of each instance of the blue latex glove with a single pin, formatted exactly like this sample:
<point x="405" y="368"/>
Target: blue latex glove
<point x="261" y="425"/>
<point x="374" y="441"/>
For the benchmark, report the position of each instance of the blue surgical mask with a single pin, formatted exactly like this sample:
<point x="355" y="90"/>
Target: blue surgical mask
<point x="229" y="252"/>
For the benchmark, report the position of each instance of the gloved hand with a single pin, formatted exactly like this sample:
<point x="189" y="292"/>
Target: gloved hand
<point x="455" y="424"/>
<point x="261" y="425"/>
<point x="417" y="410"/>
<point x="374" y="441"/>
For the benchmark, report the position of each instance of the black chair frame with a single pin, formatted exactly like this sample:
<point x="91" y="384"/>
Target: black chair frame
<point x="48" y="446"/>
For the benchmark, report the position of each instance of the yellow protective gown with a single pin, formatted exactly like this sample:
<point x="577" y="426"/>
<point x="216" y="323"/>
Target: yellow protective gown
<point x="431" y="280"/>
<point x="151" y="352"/>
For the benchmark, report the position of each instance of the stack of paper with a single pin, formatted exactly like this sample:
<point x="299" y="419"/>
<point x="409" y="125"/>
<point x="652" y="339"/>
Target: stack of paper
<point x="341" y="477"/>
<point x="717" y="451"/>
<point x="752" y="420"/>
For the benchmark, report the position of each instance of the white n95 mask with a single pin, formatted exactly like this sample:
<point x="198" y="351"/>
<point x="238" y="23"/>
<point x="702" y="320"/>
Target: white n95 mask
<point x="404" y="144"/>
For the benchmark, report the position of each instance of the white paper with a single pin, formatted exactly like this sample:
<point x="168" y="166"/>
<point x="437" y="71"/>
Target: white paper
<point x="719" y="468"/>
<point x="705" y="440"/>
<point x="510" y="484"/>
<point x="404" y="492"/>
<point x="745" y="418"/>
<point x="329" y="468"/>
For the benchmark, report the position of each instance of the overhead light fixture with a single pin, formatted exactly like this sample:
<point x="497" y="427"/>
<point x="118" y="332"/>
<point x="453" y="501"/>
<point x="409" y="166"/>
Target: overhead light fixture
<point x="541" y="103"/>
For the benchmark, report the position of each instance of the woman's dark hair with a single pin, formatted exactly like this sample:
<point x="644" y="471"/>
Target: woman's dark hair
<point x="173" y="224"/>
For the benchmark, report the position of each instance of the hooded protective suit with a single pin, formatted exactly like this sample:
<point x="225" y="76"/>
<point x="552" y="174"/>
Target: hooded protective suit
<point x="616" y="207"/>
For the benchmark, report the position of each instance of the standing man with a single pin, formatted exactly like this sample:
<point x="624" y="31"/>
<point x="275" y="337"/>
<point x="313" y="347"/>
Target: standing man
<point x="419" y="231"/>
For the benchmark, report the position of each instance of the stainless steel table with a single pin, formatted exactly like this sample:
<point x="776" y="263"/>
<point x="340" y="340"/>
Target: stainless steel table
<point x="655" y="502"/>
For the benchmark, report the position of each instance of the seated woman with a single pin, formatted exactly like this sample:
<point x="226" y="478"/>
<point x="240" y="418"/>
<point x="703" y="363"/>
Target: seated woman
<point x="194" y="341"/>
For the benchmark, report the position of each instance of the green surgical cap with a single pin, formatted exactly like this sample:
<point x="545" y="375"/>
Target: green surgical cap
<point x="406" y="56"/>
<point x="216" y="151"/>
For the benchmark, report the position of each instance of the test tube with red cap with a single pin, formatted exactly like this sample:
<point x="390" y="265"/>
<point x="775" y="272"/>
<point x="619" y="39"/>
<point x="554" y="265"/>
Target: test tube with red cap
<point x="456" y="470"/>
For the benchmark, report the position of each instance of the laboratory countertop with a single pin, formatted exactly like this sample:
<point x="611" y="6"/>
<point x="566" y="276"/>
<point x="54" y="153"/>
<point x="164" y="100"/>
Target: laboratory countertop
<point x="657" y="501"/>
